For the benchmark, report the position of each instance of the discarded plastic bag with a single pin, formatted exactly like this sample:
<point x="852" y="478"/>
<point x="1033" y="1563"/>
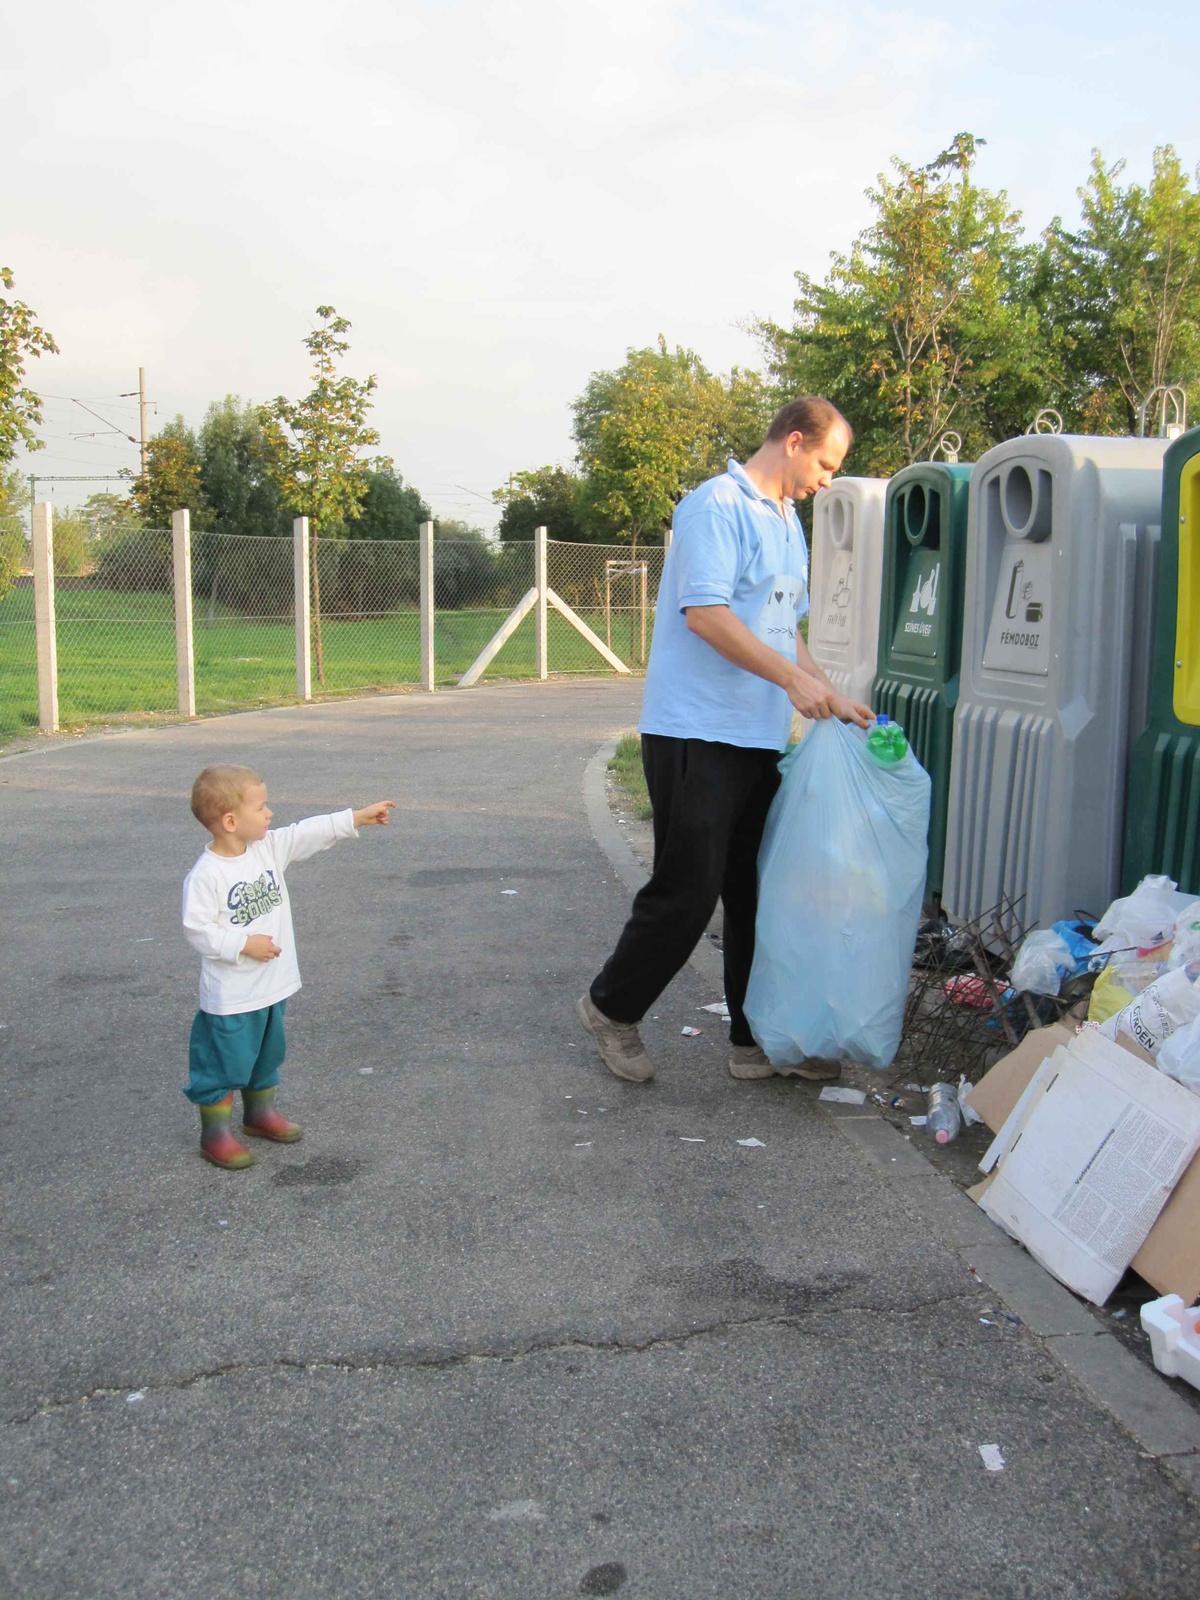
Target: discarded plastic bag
<point x="1179" y="1057"/>
<point x="1042" y="963"/>
<point x="1170" y="1003"/>
<point x="841" y="873"/>
<point x="1109" y="995"/>
<point x="1187" y="937"/>
<point x="1145" y="918"/>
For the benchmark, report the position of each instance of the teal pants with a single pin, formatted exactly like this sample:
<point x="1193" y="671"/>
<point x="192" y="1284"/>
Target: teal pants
<point x="242" y="1052"/>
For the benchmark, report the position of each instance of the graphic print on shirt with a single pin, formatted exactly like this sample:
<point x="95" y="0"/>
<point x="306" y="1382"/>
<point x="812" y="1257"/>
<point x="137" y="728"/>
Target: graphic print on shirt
<point x="776" y="624"/>
<point x="248" y="901"/>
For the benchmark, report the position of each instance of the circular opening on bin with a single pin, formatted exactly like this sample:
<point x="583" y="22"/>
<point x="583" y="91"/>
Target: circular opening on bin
<point x="916" y="513"/>
<point x="1018" y="499"/>
<point x="839" y="523"/>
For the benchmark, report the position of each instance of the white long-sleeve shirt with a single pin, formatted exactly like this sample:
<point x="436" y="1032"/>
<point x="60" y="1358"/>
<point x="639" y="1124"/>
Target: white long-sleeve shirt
<point x="227" y="898"/>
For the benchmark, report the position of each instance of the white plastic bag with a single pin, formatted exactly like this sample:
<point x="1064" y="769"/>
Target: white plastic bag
<point x="1042" y="962"/>
<point x="1143" y="919"/>
<point x="1187" y="937"/>
<point x="841" y="874"/>
<point x="1179" y="1057"/>
<point x="1170" y="1003"/>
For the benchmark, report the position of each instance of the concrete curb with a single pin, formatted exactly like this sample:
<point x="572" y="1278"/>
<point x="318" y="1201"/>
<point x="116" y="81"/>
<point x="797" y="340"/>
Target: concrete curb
<point x="703" y="960"/>
<point x="1164" y="1426"/>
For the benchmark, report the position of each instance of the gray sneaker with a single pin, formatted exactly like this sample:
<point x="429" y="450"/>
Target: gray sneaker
<point x="749" y="1061"/>
<point x="619" y="1043"/>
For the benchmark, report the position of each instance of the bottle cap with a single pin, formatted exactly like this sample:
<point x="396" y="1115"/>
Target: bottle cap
<point x="882" y="720"/>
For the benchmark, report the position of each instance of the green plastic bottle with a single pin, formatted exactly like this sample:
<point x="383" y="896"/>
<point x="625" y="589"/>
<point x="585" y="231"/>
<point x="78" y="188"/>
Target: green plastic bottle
<point x="886" y="742"/>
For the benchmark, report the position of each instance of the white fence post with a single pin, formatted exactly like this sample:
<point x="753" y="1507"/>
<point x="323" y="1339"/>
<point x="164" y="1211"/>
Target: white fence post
<point x="185" y="661"/>
<point x="303" y="610"/>
<point x="42" y="531"/>
<point x="425" y="558"/>
<point x="667" y="537"/>
<point x="542" y="585"/>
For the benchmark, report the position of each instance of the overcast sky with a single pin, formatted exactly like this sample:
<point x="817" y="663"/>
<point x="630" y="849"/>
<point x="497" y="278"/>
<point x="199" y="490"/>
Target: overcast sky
<point x="502" y="198"/>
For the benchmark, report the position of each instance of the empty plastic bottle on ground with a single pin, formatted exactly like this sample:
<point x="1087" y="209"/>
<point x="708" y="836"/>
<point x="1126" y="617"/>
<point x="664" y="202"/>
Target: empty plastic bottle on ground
<point x="944" y="1112"/>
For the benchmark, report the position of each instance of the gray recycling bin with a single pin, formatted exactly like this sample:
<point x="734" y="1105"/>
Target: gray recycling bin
<point x="1061" y="544"/>
<point x="846" y="582"/>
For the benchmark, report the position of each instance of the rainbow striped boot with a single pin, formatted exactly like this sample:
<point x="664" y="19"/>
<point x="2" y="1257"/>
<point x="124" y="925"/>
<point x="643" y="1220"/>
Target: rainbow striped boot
<point x="217" y="1143"/>
<point x="260" y="1120"/>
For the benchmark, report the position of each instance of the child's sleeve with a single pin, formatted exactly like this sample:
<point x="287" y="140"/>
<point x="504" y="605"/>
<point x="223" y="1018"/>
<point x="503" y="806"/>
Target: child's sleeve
<point x="308" y="838"/>
<point x="201" y="921"/>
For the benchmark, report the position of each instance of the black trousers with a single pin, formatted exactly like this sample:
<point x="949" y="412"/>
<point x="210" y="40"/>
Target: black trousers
<point x="710" y="803"/>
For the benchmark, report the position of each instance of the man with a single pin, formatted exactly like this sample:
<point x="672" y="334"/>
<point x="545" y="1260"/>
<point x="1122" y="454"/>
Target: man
<point x="727" y="668"/>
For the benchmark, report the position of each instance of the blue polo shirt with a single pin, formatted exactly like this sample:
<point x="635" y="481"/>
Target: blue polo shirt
<point x="731" y="547"/>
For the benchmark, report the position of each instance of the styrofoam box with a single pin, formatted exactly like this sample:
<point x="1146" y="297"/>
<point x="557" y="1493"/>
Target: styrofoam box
<point x="1174" y="1331"/>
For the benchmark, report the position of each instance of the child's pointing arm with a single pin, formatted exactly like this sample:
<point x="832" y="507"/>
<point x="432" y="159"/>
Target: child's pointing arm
<point x="376" y="813"/>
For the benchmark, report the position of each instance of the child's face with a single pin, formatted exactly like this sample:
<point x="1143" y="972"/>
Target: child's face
<point x="252" y="816"/>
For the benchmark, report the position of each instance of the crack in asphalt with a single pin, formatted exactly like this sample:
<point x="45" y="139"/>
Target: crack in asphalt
<point x="416" y="1362"/>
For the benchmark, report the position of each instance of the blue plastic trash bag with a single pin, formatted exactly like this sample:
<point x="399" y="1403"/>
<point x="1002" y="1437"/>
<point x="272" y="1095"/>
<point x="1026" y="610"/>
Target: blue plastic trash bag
<point x="841" y="876"/>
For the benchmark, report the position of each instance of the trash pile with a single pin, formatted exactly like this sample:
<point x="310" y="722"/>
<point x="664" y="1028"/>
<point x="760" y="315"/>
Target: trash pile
<point x="1097" y="1119"/>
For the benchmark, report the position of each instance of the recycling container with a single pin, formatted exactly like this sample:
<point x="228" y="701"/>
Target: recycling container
<point x="920" y="624"/>
<point x="1063" y="532"/>
<point x="1162" y="829"/>
<point x="847" y="576"/>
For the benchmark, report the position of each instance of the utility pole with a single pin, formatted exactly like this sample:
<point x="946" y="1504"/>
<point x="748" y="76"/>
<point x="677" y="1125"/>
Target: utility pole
<point x="142" y="408"/>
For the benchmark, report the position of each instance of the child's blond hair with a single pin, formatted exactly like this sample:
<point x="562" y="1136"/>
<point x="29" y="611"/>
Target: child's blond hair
<point x="218" y="790"/>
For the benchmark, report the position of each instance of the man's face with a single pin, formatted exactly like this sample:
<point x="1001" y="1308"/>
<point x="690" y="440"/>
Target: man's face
<point x="810" y="466"/>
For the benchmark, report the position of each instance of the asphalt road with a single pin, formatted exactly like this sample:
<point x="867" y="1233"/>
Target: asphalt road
<point x="500" y="1325"/>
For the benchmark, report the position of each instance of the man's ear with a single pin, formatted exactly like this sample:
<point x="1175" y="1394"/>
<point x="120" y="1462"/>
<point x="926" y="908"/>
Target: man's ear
<point x="795" y="442"/>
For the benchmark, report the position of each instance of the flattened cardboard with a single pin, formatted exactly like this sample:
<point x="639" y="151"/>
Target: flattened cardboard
<point x="1088" y="1160"/>
<point x="1169" y="1258"/>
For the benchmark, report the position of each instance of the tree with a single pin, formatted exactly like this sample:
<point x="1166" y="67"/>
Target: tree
<point x="70" y="544"/>
<point x="235" y="472"/>
<point x="20" y="408"/>
<point x="926" y="324"/>
<point x="1123" y="293"/>
<point x="314" y="447"/>
<point x="171" y="481"/>
<point x="13" y="500"/>
<point x="548" y="497"/>
<point x="391" y="508"/>
<point x="652" y="430"/>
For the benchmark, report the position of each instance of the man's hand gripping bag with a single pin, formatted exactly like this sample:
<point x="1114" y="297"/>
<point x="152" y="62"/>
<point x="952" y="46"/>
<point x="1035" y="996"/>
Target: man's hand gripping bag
<point x="841" y="875"/>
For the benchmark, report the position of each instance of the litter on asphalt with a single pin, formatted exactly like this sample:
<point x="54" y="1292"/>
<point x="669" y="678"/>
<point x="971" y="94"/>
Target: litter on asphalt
<point x="993" y="1460"/>
<point x="752" y="1144"/>
<point x="840" y="1095"/>
<point x="690" y="1033"/>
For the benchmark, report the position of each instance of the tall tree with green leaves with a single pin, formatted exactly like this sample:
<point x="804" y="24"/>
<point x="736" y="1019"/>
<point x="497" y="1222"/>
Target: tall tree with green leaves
<point x="547" y="497"/>
<point x="314" y="447"/>
<point x="1122" y="292"/>
<point x="925" y="324"/>
<point x="655" y="428"/>
<point x="171" y="481"/>
<point x="13" y="500"/>
<point x="20" y="338"/>
<point x="235" y="476"/>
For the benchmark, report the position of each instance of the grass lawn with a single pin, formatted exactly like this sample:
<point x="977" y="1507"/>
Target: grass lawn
<point x="116" y="655"/>
<point x="626" y="768"/>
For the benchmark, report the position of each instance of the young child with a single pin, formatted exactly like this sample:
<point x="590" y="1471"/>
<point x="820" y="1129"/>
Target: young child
<point x="236" y="913"/>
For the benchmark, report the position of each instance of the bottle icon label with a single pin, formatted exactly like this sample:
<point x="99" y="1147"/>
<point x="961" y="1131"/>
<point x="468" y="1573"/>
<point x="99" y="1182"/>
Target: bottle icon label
<point x="1018" y="637"/>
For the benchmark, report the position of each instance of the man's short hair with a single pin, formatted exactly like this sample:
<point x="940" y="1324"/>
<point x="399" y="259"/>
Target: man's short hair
<point x="218" y="790"/>
<point x="811" y="416"/>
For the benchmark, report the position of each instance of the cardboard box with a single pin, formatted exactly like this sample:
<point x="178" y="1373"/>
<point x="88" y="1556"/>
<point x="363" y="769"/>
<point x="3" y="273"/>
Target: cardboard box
<point x="1169" y="1258"/>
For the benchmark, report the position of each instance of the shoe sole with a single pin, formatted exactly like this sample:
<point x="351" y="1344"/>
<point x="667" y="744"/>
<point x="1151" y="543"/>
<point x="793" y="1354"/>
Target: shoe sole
<point x="586" y="1024"/>
<point x="228" y="1166"/>
<point x="275" y="1138"/>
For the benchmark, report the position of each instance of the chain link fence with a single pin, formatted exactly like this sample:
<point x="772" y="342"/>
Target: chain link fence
<point x="116" y="630"/>
<point x="243" y="620"/>
<point x="18" y="660"/>
<point x="116" y="620"/>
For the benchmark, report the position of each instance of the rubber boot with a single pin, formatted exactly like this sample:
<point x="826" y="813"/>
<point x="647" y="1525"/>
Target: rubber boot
<point x="260" y="1120"/>
<point x="217" y="1143"/>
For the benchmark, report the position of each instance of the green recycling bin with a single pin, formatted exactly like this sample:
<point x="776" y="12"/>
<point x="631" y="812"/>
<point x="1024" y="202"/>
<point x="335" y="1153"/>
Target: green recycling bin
<point x="1162" y="812"/>
<point x="920" y="624"/>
